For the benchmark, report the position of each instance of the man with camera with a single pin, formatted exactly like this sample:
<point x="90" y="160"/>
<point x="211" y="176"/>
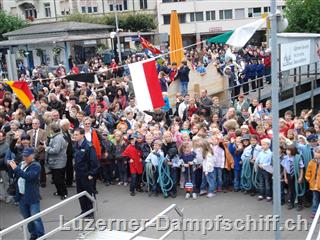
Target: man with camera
<point x="28" y="196"/>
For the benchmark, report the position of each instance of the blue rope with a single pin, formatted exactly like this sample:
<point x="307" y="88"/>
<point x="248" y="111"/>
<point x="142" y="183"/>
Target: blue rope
<point x="164" y="179"/>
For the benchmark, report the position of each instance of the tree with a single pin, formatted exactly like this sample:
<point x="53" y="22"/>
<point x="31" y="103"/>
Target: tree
<point x="303" y="15"/>
<point x="10" y="23"/>
<point x="127" y="22"/>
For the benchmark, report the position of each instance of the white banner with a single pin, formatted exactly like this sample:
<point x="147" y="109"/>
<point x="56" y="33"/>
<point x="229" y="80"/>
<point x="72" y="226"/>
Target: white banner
<point x="295" y="54"/>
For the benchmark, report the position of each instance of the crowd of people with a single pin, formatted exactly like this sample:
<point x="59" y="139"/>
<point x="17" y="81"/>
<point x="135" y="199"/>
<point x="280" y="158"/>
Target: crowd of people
<point x="80" y="135"/>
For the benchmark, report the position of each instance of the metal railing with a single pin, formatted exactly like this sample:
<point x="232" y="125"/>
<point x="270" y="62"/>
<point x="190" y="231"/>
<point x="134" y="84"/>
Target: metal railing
<point x="24" y="223"/>
<point x="313" y="226"/>
<point x="283" y="86"/>
<point x="150" y="223"/>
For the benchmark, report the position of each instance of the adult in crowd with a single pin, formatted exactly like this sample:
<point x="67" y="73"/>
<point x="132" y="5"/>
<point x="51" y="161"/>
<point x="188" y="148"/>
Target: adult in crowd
<point x="38" y="139"/>
<point x="28" y="196"/>
<point x="86" y="166"/>
<point x="57" y="159"/>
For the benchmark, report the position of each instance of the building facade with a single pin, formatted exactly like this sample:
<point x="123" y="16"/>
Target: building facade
<point x="38" y="11"/>
<point x="200" y="19"/>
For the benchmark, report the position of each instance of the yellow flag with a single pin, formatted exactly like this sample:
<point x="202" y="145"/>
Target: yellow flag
<point x="176" y="46"/>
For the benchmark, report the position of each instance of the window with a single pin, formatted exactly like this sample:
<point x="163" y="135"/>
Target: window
<point x="182" y="18"/>
<point x="266" y="9"/>
<point x="166" y="19"/>
<point x="225" y="14"/>
<point x="192" y="18"/>
<point x="254" y="12"/>
<point x="111" y="7"/>
<point x="95" y="9"/>
<point x="118" y="7"/>
<point x="125" y="4"/>
<point x="239" y="13"/>
<point x="143" y="4"/>
<point x="47" y="9"/>
<point x="89" y="9"/>
<point x="210" y="15"/>
<point x="199" y="16"/>
<point x="30" y="13"/>
<point x="83" y="9"/>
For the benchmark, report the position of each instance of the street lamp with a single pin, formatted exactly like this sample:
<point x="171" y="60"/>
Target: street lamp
<point x="117" y="30"/>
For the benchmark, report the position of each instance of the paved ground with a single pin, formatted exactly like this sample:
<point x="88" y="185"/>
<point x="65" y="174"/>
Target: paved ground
<point x="115" y="202"/>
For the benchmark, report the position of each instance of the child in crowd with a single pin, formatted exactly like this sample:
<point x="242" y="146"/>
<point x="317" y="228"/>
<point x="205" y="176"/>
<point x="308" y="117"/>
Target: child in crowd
<point x="153" y="159"/>
<point x="121" y="162"/>
<point x="264" y="162"/>
<point x="170" y="151"/>
<point x="236" y="149"/>
<point x="188" y="157"/>
<point x="135" y="162"/>
<point x="208" y="170"/>
<point x="218" y="163"/>
<point x="292" y="174"/>
<point x="313" y="178"/>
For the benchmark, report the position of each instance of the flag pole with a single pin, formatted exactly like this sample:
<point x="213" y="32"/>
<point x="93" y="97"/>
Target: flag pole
<point x="275" y="121"/>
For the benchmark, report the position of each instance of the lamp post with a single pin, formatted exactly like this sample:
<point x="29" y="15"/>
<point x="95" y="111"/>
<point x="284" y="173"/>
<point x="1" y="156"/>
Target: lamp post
<point x="275" y="119"/>
<point x="117" y="30"/>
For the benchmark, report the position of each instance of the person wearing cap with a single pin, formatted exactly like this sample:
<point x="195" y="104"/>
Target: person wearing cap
<point x="135" y="163"/>
<point x="17" y="145"/>
<point x="27" y="193"/>
<point x="86" y="166"/>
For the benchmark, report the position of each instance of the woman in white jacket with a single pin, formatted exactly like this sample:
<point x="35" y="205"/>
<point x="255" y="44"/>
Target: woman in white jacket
<point x="208" y="171"/>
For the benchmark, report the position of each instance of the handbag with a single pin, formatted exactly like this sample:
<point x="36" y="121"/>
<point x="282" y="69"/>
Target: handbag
<point x="189" y="185"/>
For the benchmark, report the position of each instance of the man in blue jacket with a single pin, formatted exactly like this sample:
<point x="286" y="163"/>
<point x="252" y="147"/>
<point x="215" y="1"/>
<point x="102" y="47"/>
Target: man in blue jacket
<point x="28" y="174"/>
<point x="86" y="166"/>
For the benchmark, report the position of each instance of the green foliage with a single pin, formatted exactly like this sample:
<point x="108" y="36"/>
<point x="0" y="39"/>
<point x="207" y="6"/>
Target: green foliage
<point x="127" y="22"/>
<point x="10" y="23"/>
<point x="303" y="15"/>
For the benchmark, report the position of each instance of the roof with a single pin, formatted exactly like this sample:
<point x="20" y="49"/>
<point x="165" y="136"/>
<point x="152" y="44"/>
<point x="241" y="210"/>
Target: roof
<point x="66" y="38"/>
<point x="57" y="27"/>
<point x="298" y="35"/>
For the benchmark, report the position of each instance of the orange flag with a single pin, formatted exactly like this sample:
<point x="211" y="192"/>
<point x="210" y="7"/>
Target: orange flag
<point x="22" y="91"/>
<point x="175" y="39"/>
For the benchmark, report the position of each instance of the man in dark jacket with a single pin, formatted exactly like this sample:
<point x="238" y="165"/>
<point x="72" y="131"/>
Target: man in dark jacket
<point x="28" y="173"/>
<point x="183" y="74"/>
<point x="86" y="166"/>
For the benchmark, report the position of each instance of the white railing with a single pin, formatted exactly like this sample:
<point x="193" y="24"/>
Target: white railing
<point x="313" y="225"/>
<point x="150" y="223"/>
<point x="24" y="223"/>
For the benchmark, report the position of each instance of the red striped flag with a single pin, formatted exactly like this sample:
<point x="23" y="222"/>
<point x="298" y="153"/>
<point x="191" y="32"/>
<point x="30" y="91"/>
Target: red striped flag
<point x="146" y="85"/>
<point x="22" y="91"/>
<point x="147" y="45"/>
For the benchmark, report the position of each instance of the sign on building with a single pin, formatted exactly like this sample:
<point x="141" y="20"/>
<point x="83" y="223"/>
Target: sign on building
<point x="295" y="54"/>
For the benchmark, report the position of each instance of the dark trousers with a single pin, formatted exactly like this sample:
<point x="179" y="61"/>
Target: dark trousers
<point x="265" y="183"/>
<point x="245" y="86"/>
<point x="59" y="181"/>
<point x="84" y="184"/>
<point x="292" y="191"/>
<point x="267" y="72"/>
<point x="226" y="179"/>
<point x="174" y="174"/>
<point x="253" y="83"/>
<point x="135" y="182"/>
<point x="260" y="81"/>
<point x="69" y="170"/>
<point x="107" y="172"/>
<point x="43" y="176"/>
<point x="198" y="179"/>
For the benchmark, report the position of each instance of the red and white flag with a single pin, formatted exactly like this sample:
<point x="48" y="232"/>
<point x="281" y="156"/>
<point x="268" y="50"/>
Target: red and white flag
<point x="146" y="85"/>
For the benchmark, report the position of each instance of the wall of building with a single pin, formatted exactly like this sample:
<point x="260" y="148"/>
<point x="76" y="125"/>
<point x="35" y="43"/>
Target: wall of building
<point x="49" y="10"/>
<point x="211" y="17"/>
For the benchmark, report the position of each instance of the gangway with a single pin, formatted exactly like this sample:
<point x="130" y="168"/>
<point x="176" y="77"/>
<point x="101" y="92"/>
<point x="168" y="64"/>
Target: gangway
<point x="90" y="235"/>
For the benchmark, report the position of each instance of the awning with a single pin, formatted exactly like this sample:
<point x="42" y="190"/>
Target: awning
<point x="222" y="38"/>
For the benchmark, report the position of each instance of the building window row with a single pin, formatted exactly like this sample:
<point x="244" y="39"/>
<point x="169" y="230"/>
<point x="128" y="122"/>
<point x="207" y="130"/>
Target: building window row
<point x="227" y="14"/>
